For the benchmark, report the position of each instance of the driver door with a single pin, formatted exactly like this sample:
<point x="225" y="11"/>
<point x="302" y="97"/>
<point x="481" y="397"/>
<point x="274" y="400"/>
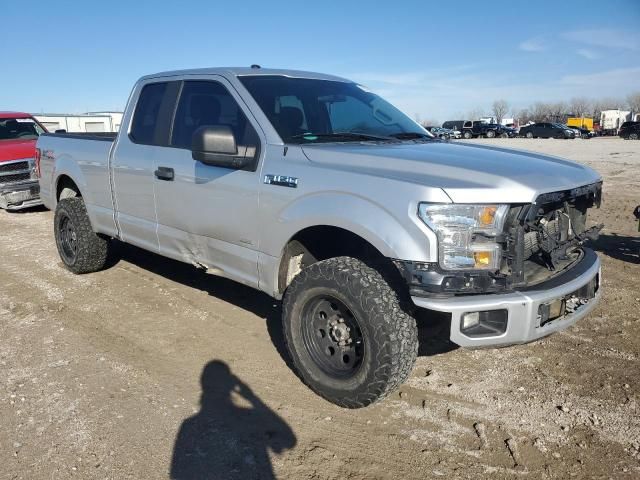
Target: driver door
<point x="207" y="215"/>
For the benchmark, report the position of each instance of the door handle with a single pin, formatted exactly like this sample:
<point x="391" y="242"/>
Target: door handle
<point x="165" y="173"/>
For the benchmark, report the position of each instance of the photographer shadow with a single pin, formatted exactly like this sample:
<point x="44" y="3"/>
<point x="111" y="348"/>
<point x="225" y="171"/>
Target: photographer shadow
<point x="232" y="434"/>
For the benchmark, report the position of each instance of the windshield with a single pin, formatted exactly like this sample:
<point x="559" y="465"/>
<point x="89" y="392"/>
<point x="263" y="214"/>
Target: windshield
<point x="559" y="125"/>
<point x="304" y="110"/>
<point x="19" y="129"/>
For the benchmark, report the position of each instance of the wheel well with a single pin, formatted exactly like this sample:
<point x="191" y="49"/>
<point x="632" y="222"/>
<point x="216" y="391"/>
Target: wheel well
<point x="66" y="188"/>
<point x="321" y="242"/>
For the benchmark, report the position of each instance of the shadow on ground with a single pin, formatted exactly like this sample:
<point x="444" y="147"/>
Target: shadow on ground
<point x="620" y="247"/>
<point x="232" y="434"/>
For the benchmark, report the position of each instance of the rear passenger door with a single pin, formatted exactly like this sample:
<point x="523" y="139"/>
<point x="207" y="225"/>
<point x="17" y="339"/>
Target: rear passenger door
<point x="133" y="162"/>
<point x="208" y="214"/>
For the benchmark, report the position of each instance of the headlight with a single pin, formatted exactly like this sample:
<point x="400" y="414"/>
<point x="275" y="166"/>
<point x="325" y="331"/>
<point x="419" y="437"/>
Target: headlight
<point x="466" y="234"/>
<point x="32" y="169"/>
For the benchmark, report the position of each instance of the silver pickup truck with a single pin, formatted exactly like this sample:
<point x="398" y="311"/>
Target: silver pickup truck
<point x="318" y="192"/>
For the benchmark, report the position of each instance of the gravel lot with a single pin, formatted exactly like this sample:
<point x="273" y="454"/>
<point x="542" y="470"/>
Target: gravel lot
<point x="150" y="367"/>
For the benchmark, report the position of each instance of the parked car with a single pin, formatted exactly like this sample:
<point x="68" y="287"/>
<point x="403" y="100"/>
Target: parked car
<point x="445" y="133"/>
<point x="318" y="192"/>
<point x="629" y="130"/>
<point x="582" y="132"/>
<point x="18" y="182"/>
<point x="473" y="129"/>
<point x="509" y="132"/>
<point x="547" y="130"/>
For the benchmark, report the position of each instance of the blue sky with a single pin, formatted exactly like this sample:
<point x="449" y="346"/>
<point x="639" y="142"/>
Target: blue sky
<point x="437" y="60"/>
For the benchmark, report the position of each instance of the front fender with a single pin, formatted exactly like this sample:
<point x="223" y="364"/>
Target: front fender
<point x="393" y="236"/>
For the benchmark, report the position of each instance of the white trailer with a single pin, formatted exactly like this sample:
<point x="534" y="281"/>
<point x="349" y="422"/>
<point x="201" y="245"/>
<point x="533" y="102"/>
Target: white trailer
<point x="610" y="120"/>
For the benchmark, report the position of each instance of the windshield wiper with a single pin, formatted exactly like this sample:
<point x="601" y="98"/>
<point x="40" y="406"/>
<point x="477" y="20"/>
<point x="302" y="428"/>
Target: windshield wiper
<point x="410" y="135"/>
<point x="343" y="135"/>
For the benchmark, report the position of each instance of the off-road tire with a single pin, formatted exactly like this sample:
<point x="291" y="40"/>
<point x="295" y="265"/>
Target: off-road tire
<point x="389" y="331"/>
<point x="467" y="135"/>
<point x="491" y="134"/>
<point x="91" y="249"/>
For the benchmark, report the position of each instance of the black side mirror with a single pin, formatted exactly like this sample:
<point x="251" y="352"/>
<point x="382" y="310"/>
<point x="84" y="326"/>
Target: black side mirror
<point x="216" y="145"/>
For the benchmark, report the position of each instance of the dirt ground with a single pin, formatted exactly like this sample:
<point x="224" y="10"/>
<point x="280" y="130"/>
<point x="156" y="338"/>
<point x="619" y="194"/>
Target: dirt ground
<point x="151" y="367"/>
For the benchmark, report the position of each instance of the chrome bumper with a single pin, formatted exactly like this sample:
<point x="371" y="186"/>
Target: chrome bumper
<point x="523" y="319"/>
<point x="16" y="196"/>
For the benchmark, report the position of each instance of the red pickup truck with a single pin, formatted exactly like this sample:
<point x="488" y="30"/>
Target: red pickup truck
<point x="18" y="182"/>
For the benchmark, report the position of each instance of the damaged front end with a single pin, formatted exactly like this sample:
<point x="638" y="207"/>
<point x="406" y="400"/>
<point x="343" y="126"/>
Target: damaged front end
<point x="545" y="238"/>
<point x="539" y="241"/>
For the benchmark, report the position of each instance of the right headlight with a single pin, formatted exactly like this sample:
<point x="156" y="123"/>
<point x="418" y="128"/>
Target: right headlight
<point x="466" y="234"/>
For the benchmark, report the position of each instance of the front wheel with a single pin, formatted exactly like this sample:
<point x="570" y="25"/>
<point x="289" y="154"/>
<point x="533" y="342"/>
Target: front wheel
<point x="348" y="336"/>
<point x="467" y="135"/>
<point x="491" y="134"/>
<point x="529" y="135"/>
<point x="633" y="136"/>
<point x="80" y="248"/>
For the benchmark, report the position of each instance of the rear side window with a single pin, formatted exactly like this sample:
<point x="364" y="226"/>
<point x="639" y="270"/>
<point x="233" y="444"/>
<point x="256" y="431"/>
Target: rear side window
<point x="209" y="103"/>
<point x="152" y="117"/>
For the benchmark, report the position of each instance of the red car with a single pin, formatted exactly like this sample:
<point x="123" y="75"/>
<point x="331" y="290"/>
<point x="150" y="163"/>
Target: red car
<point x="18" y="182"/>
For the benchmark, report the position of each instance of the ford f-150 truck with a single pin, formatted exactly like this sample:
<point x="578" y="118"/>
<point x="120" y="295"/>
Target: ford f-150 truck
<point x="18" y="182"/>
<point x="318" y="192"/>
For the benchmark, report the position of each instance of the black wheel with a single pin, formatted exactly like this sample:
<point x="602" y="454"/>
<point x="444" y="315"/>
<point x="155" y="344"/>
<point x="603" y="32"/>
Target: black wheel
<point x="491" y="134"/>
<point x="80" y="248"/>
<point x="529" y="135"/>
<point x="347" y="333"/>
<point x="467" y="135"/>
<point x="633" y="136"/>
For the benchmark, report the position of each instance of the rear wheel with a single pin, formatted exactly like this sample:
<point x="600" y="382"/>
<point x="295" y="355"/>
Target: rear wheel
<point x="80" y="248"/>
<point x="633" y="136"/>
<point x="349" y="337"/>
<point x="491" y="134"/>
<point x="529" y="135"/>
<point x="467" y="135"/>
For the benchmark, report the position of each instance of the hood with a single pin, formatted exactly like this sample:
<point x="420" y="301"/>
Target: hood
<point x="16" y="149"/>
<point x="467" y="173"/>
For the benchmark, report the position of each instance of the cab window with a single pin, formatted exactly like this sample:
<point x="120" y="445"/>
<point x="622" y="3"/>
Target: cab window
<point x="209" y="103"/>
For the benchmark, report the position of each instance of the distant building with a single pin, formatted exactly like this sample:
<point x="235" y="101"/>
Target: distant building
<point x="85" y="122"/>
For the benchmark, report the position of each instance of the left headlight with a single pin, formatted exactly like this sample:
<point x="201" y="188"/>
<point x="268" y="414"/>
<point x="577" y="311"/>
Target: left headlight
<point x="32" y="169"/>
<point x="466" y="234"/>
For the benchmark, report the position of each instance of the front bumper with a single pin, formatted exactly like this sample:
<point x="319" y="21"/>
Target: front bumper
<point x="524" y="323"/>
<point x="16" y="196"/>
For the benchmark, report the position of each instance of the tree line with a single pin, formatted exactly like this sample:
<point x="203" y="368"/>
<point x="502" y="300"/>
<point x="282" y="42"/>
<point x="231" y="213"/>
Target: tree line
<point x="553" y="111"/>
<point x="576" y="107"/>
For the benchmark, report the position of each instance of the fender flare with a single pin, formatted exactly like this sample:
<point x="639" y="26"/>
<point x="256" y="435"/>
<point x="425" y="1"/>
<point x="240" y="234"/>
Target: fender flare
<point x="67" y="166"/>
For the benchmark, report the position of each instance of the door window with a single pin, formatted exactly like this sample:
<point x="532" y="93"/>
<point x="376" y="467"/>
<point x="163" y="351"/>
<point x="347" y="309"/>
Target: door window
<point x="208" y="103"/>
<point x="152" y="117"/>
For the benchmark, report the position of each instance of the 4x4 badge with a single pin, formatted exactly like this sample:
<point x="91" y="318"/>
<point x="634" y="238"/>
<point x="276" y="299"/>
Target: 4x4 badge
<point x="281" y="181"/>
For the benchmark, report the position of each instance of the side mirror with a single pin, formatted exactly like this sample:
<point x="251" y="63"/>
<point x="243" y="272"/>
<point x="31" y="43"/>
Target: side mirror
<point x="216" y="145"/>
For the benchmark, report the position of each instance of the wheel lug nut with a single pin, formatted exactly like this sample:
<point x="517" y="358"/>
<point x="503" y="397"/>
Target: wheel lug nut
<point x="341" y="320"/>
